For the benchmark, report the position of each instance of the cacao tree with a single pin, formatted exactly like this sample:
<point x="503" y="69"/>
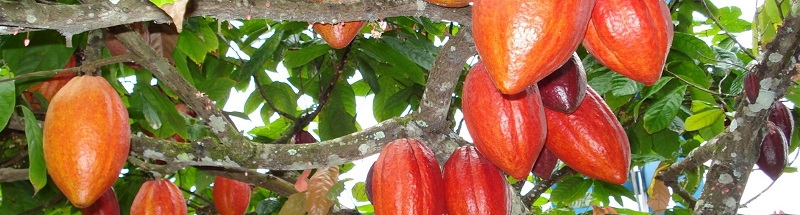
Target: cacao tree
<point x="177" y="66"/>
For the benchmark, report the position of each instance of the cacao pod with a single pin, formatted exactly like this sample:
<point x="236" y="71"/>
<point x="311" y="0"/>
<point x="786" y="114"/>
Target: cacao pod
<point x="117" y="48"/>
<point x="49" y="87"/>
<point x="304" y="137"/>
<point x="502" y="125"/>
<point x="751" y="87"/>
<point x="86" y="139"/>
<point x="339" y="35"/>
<point x="782" y="117"/>
<point x="590" y="140"/>
<point x="368" y="183"/>
<point x="564" y="89"/>
<point x="407" y="180"/>
<point x="473" y="185"/>
<point x="159" y="197"/>
<point x="450" y="3"/>
<point x="621" y="29"/>
<point x="521" y="42"/>
<point x="105" y="205"/>
<point x="545" y="164"/>
<point x="774" y="150"/>
<point x="231" y="197"/>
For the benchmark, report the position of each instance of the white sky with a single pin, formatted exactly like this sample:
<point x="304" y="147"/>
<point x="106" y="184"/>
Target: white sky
<point x="774" y="199"/>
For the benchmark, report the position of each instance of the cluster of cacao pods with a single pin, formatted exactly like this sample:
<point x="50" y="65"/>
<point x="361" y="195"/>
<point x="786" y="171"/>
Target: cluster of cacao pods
<point x="775" y="146"/>
<point x="406" y="179"/>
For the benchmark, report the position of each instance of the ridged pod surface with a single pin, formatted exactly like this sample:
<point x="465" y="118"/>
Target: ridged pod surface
<point x="105" y="205"/>
<point x="521" y="42"/>
<point x="406" y="180"/>
<point x="86" y="139"/>
<point x="339" y="35"/>
<point x="772" y="157"/>
<point x="782" y="117"/>
<point x="159" y="197"/>
<point x="545" y="164"/>
<point x="450" y="3"/>
<point x="509" y="130"/>
<point x="564" y="89"/>
<point x="473" y="185"/>
<point x="590" y="140"/>
<point x="231" y="197"/>
<point x="631" y="37"/>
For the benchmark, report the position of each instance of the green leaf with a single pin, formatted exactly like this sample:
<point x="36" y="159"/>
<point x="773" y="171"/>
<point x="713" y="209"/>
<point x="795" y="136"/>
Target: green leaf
<point x="253" y="102"/>
<point x="258" y="58"/>
<point x="165" y="111"/>
<point x="703" y="119"/>
<point x="33" y="133"/>
<point x="649" y="91"/>
<point x="693" y="47"/>
<point x="337" y="189"/>
<point x="46" y="51"/>
<point x="209" y="38"/>
<point x="161" y="3"/>
<point x="7" y="102"/>
<point x="282" y="97"/>
<point x="666" y="143"/>
<point x="663" y="111"/>
<point x="359" y="192"/>
<point x="614" y="190"/>
<point x="379" y="52"/>
<point x="570" y="190"/>
<point x="217" y="89"/>
<point x="269" y="206"/>
<point x="297" y="58"/>
<point x="191" y="45"/>
<point x="335" y="122"/>
<point x="412" y="51"/>
<point x="623" y="86"/>
<point x="601" y="81"/>
<point x="368" y="74"/>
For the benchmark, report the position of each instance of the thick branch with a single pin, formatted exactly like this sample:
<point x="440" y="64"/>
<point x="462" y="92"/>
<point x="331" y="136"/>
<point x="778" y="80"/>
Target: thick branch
<point x="11" y="174"/>
<point x="79" y="18"/>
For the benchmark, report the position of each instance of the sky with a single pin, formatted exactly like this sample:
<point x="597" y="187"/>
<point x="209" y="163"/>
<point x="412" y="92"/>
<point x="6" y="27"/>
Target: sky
<point x="772" y="200"/>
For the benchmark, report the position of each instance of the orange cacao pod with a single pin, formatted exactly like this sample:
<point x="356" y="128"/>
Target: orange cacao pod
<point x="86" y="139"/>
<point x="521" y="42"/>
<point x="450" y="3"/>
<point x="509" y="130"/>
<point x="620" y="29"/>
<point x="407" y="180"/>
<point x="159" y="197"/>
<point x="105" y="205"/>
<point x="49" y="87"/>
<point x="473" y="185"/>
<point x="231" y="197"/>
<point x="590" y="140"/>
<point x="339" y="35"/>
<point x="564" y="89"/>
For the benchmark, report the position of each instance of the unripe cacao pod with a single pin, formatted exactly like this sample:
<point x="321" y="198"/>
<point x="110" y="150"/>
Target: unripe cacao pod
<point x="545" y="164"/>
<point x="86" y="139"/>
<point x="509" y="130"/>
<point x="159" y="197"/>
<point x="751" y="87"/>
<point x="564" y="89"/>
<point x="450" y="3"/>
<point x="782" y="117"/>
<point x="631" y="38"/>
<point x="50" y="87"/>
<point x="407" y="180"/>
<point x="105" y="205"/>
<point x="473" y="185"/>
<point x="231" y="197"/>
<point x="339" y="35"/>
<point x="774" y="150"/>
<point x="521" y="42"/>
<point x="591" y="140"/>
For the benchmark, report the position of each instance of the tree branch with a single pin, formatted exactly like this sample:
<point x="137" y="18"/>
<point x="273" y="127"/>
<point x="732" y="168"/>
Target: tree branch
<point x="728" y="33"/>
<point x="542" y="186"/>
<point x="31" y="15"/>
<point x="11" y="174"/>
<point x="86" y="66"/>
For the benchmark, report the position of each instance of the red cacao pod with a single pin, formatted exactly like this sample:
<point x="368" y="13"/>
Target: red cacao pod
<point x="545" y="164"/>
<point x="622" y="29"/>
<point x="450" y="3"/>
<point x="774" y="150"/>
<point x="521" y="42"/>
<point x="86" y="139"/>
<point x="504" y="125"/>
<point x="159" y="197"/>
<point x="590" y="140"/>
<point x="51" y="86"/>
<point x="339" y="35"/>
<point x="231" y="197"/>
<point x="407" y="180"/>
<point x="751" y="87"/>
<point x="105" y="205"/>
<point x="368" y="183"/>
<point x="564" y="89"/>
<point x="473" y="185"/>
<point x="782" y="117"/>
<point x="304" y="137"/>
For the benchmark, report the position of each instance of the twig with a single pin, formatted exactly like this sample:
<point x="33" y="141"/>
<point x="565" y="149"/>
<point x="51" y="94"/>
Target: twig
<point x="11" y="174"/>
<point x="263" y="92"/>
<point x="86" y="66"/>
<point x="695" y="85"/>
<point x="543" y="185"/>
<point x="196" y="195"/>
<point x="681" y="192"/>
<point x="716" y="21"/>
<point x="757" y="195"/>
<point x="14" y="159"/>
<point x="40" y="208"/>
